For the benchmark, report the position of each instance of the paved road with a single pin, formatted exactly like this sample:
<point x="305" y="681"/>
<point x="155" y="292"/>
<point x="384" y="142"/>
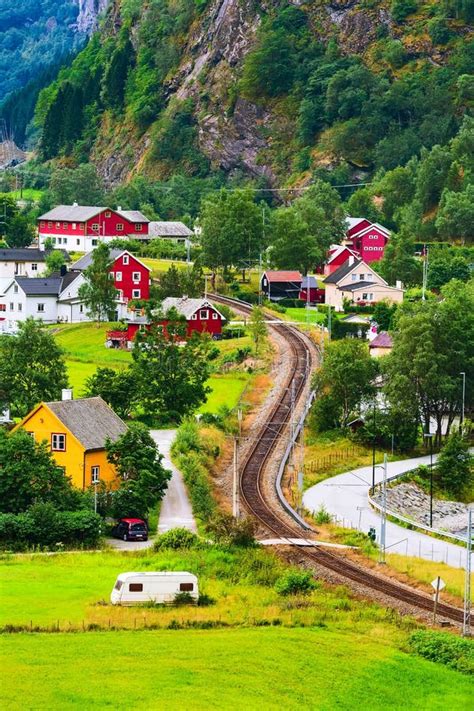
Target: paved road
<point x="176" y="511"/>
<point x="345" y="496"/>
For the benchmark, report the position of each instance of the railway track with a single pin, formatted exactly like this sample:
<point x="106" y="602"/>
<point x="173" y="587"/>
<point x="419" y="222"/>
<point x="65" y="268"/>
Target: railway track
<point x="253" y="495"/>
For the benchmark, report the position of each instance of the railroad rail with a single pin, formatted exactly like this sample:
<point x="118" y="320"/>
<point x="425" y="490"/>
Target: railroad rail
<point x="252" y="492"/>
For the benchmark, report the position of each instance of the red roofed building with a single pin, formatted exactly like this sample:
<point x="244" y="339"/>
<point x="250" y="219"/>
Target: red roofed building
<point x="278" y="285"/>
<point x="381" y="345"/>
<point x="338" y="255"/>
<point x="366" y="239"/>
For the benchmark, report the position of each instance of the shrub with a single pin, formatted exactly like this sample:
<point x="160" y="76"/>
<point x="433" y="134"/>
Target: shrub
<point x="183" y="598"/>
<point x="295" y="583"/>
<point x="176" y="539"/>
<point x="227" y="530"/>
<point x="454" y="652"/>
<point x="322" y="515"/>
<point x="43" y="525"/>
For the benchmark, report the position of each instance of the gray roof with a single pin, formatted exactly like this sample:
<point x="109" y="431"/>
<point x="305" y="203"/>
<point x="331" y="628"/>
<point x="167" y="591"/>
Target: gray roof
<point x="50" y="286"/>
<point x="133" y="215"/>
<point x="183" y="305"/>
<point x="342" y="271"/>
<point x="355" y="286"/>
<point x="90" y="420"/>
<point x="72" y="213"/>
<point x="169" y="229"/>
<point x="22" y="255"/>
<point x="309" y="281"/>
<point x="86" y="260"/>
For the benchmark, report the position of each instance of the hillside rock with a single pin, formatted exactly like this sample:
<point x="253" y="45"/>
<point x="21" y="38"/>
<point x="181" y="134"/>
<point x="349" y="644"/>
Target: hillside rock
<point x="89" y="11"/>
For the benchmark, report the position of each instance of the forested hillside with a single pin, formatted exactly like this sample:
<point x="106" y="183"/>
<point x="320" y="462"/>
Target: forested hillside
<point x="36" y="37"/>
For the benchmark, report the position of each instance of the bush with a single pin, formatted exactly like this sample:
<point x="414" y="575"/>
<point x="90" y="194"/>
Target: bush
<point x="447" y="649"/>
<point x="322" y="515"/>
<point x="228" y="531"/>
<point x="295" y="583"/>
<point x="183" y="598"/>
<point x="176" y="539"/>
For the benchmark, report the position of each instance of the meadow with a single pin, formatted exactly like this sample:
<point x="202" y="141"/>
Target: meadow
<point x="224" y="669"/>
<point x="85" y="351"/>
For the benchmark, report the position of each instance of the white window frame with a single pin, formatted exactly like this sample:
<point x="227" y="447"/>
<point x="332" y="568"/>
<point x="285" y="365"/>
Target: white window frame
<point x="40" y="308"/>
<point x="95" y="474"/>
<point x="20" y="307"/>
<point x="206" y="316"/>
<point x="34" y="267"/>
<point x="136" y="293"/>
<point x="108" y="213"/>
<point x="138" y="227"/>
<point x="12" y="306"/>
<point x="354" y="277"/>
<point x="95" y="242"/>
<point x="95" y="227"/>
<point x="215" y="316"/>
<point x="15" y="288"/>
<point x="58" y="438"/>
<point x="125" y="259"/>
<point x="194" y="317"/>
<point x="120" y="226"/>
<point x="136" y="277"/>
<point x="74" y="225"/>
<point x="118" y="276"/>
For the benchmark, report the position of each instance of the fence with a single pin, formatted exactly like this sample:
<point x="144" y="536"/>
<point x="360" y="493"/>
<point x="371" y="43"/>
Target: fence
<point x="329" y="460"/>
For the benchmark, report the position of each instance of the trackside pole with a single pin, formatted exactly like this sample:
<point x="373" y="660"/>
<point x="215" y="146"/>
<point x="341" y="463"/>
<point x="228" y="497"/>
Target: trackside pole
<point x="466" y="626"/>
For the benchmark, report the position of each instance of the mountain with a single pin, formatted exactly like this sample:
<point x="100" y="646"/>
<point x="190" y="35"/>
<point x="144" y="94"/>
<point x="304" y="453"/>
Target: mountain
<point x="36" y="36"/>
<point x="270" y="90"/>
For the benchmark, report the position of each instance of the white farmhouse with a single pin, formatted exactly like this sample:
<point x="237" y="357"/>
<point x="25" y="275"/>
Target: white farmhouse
<point x="22" y="262"/>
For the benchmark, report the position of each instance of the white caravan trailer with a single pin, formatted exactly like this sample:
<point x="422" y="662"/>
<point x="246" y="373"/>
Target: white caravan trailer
<point x="133" y="588"/>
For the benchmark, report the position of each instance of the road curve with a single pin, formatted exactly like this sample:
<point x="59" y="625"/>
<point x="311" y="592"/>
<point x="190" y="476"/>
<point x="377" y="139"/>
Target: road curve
<point x="272" y="516"/>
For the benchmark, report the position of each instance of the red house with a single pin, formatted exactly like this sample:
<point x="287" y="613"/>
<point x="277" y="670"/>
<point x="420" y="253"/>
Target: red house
<point x="338" y="255"/>
<point x="131" y="276"/>
<point x="200" y="314"/>
<point x="316" y="295"/>
<point x="80" y="228"/>
<point x="366" y="239"/>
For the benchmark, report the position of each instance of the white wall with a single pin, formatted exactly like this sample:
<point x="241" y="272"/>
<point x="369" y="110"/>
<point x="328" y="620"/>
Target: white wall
<point x="13" y="269"/>
<point x="74" y="243"/>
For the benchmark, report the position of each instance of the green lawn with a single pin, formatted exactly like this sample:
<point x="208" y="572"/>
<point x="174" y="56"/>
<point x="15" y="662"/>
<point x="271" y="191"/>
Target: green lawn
<point x="302" y="316"/>
<point x="158" y="266"/>
<point x="225" y="390"/>
<point x="28" y="194"/>
<point x="223" y="669"/>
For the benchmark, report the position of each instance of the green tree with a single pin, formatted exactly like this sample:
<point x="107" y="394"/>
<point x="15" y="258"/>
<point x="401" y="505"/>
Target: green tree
<point x="81" y="185"/>
<point x="384" y="313"/>
<point x="32" y="367"/>
<point x="455" y="218"/>
<point x="257" y="327"/>
<point x="171" y="283"/>
<point x="399" y="263"/>
<point x="98" y="291"/>
<point x="171" y="379"/>
<point x="232" y="229"/>
<point x="345" y="380"/>
<point x="116" y="387"/>
<point x="115" y="76"/>
<point x="454" y="467"/>
<point x="54" y="261"/>
<point x="432" y="343"/>
<point x="400" y="9"/>
<point x="141" y="475"/>
<point x="29" y="475"/>
<point x="361" y="204"/>
<point x="19" y="231"/>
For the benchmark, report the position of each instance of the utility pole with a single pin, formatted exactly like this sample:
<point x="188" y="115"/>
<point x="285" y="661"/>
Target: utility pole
<point x="425" y="274"/>
<point x="329" y="322"/>
<point x="429" y="436"/>
<point x="466" y="625"/>
<point x="260" y="293"/>
<point x="463" y="399"/>
<point x="373" y="453"/>
<point x="205" y="285"/>
<point x="383" y="524"/>
<point x="235" y="484"/>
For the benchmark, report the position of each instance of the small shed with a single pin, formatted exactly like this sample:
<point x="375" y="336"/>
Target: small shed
<point x="278" y="285"/>
<point x="381" y="345"/>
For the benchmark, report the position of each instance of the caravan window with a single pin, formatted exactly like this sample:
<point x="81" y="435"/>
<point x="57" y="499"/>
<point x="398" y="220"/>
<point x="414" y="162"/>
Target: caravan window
<point x="118" y="584"/>
<point x="186" y="587"/>
<point x="135" y="587"/>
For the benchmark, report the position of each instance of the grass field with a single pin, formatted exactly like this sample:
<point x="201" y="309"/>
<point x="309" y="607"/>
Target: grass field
<point x="28" y="194"/>
<point x="225" y="390"/>
<point x="221" y="669"/>
<point x="158" y="266"/>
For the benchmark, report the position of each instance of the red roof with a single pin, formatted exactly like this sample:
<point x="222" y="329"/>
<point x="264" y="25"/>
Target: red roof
<point x="382" y="340"/>
<point x="283" y="276"/>
<point x="133" y="520"/>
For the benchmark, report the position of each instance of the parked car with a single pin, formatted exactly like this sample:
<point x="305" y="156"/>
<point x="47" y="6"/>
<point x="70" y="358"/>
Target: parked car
<point x="131" y="529"/>
<point x="137" y="588"/>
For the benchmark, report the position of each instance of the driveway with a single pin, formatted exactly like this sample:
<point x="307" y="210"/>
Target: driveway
<point x="345" y="497"/>
<point x="176" y="511"/>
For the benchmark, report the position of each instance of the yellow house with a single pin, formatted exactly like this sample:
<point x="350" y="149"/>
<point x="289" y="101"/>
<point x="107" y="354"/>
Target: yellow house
<point x="76" y="431"/>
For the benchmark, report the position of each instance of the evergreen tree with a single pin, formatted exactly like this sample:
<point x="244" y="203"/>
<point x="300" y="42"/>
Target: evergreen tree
<point x="113" y="87"/>
<point x="98" y="292"/>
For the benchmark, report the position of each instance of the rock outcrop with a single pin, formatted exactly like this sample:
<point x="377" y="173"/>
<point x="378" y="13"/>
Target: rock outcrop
<point x="89" y="11"/>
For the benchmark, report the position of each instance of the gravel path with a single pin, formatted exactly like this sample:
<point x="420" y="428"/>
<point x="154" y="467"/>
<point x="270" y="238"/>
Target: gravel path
<point x="345" y="496"/>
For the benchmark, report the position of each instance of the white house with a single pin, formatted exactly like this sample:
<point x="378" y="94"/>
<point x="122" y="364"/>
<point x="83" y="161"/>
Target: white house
<point x="357" y="282"/>
<point x="22" y="262"/>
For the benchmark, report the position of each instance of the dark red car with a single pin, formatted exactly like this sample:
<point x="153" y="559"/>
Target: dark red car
<point x="131" y="529"/>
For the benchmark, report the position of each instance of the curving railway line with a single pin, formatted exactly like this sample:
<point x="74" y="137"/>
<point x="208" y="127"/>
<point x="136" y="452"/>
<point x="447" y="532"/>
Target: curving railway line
<point x="252" y="492"/>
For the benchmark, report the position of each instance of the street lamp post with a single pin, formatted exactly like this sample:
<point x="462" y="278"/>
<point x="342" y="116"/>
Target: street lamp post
<point x="463" y="398"/>
<point x="429" y="436"/>
<point x="373" y="452"/>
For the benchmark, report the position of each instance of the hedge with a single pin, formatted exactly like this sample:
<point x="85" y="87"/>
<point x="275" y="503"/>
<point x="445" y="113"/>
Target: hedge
<point x="45" y="526"/>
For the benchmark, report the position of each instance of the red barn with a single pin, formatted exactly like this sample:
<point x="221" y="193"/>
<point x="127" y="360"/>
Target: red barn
<point x="355" y="225"/>
<point x="316" y="295"/>
<point x="80" y="228"/>
<point x="200" y="314"/>
<point x="131" y="276"/>
<point x="338" y="255"/>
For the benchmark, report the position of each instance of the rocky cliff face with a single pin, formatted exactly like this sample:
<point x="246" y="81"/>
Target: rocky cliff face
<point x="89" y="11"/>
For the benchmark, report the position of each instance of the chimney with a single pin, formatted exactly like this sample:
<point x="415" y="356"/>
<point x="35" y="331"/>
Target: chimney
<point x="63" y="270"/>
<point x="399" y="284"/>
<point x="66" y="394"/>
<point x="351" y="260"/>
<point x="119" y="208"/>
<point x="74" y="204"/>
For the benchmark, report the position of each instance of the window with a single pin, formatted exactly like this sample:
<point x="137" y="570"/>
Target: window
<point x="15" y="289"/>
<point x="42" y="223"/>
<point x="215" y="316"/>
<point x="12" y="306"/>
<point x="361" y="277"/>
<point x="32" y="434"/>
<point x="186" y="587"/>
<point x="194" y="317"/>
<point x="354" y="277"/>
<point x="95" y="242"/>
<point x="95" y="475"/>
<point x="58" y="225"/>
<point x="136" y="276"/>
<point x="367" y="297"/>
<point x="119" y="294"/>
<point x="118" y="585"/>
<point x="20" y="307"/>
<point x="119" y="226"/>
<point x="81" y="308"/>
<point x="125" y="259"/>
<point x="95" y="227"/>
<point x="118" y="276"/>
<point x="3" y="307"/>
<point x="107" y="214"/>
<point x="34" y="267"/>
<point x="81" y="226"/>
<point x="50" y="224"/>
<point x="135" y="587"/>
<point x="65" y="225"/>
<point x="58" y="442"/>
<point x="204" y="314"/>
<point x="78" y="242"/>
<point x="74" y="225"/>
<point x="136" y="293"/>
<point x="138" y="227"/>
<point x="40" y="308"/>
